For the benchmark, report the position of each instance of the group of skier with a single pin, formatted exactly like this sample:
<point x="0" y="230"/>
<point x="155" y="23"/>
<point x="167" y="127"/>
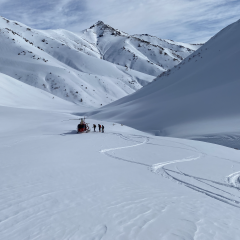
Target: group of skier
<point x="100" y="127"/>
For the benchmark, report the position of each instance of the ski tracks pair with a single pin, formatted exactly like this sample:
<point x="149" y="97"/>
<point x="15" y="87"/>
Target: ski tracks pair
<point x="233" y="180"/>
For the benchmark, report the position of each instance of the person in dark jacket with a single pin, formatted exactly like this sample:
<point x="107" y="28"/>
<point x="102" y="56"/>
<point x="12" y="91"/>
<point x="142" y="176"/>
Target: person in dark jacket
<point x="102" y="129"/>
<point x="94" y="127"/>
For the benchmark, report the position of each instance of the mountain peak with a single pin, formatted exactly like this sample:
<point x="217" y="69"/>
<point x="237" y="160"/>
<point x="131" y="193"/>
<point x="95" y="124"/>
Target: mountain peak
<point x="101" y="28"/>
<point x="99" y="23"/>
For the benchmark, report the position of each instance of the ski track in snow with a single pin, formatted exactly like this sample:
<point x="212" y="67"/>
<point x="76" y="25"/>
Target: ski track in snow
<point x="233" y="180"/>
<point x="105" y="151"/>
<point x="155" y="167"/>
<point x="111" y="149"/>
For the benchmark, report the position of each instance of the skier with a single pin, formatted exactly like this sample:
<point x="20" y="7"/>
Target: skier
<point x="94" y="127"/>
<point x="99" y="127"/>
<point x="102" y="129"/>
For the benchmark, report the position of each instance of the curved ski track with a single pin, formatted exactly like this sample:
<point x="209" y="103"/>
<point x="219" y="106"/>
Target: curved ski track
<point x="214" y="189"/>
<point x="234" y="179"/>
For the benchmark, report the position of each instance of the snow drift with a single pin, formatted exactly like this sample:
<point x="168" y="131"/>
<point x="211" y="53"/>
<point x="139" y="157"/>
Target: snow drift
<point x="197" y="98"/>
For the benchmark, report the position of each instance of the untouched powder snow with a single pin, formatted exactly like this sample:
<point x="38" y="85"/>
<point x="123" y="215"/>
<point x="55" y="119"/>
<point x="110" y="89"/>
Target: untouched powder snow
<point x="122" y="184"/>
<point x="198" y="99"/>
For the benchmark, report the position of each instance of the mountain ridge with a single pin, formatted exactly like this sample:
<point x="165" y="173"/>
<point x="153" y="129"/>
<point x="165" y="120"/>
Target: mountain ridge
<point x="83" y="67"/>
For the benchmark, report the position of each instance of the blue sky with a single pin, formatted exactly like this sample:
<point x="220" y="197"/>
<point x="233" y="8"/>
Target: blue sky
<point x="181" y="20"/>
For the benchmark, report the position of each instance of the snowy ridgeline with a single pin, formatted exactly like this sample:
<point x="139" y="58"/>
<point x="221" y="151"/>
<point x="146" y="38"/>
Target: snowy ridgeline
<point x="91" y="68"/>
<point x="198" y="99"/>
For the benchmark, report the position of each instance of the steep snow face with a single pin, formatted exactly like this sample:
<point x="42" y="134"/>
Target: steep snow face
<point x="143" y="53"/>
<point x="198" y="98"/>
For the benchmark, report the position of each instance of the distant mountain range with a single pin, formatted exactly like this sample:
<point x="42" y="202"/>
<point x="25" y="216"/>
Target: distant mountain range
<point x="91" y="68"/>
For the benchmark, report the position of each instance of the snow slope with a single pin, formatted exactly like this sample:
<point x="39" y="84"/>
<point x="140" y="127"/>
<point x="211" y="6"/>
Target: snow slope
<point x="83" y="68"/>
<point x="123" y="184"/>
<point x="14" y="93"/>
<point x="197" y="99"/>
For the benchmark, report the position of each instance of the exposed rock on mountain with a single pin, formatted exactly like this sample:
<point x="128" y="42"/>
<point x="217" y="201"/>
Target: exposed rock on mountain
<point x="93" y="68"/>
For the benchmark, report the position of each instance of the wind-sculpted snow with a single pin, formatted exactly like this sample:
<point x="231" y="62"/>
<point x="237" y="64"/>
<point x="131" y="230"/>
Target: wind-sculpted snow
<point x="56" y="184"/>
<point x="90" y="68"/>
<point x="196" y="99"/>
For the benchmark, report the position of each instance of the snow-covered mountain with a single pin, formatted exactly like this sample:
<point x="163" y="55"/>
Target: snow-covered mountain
<point x="199" y="98"/>
<point x="143" y="53"/>
<point x="92" y="68"/>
